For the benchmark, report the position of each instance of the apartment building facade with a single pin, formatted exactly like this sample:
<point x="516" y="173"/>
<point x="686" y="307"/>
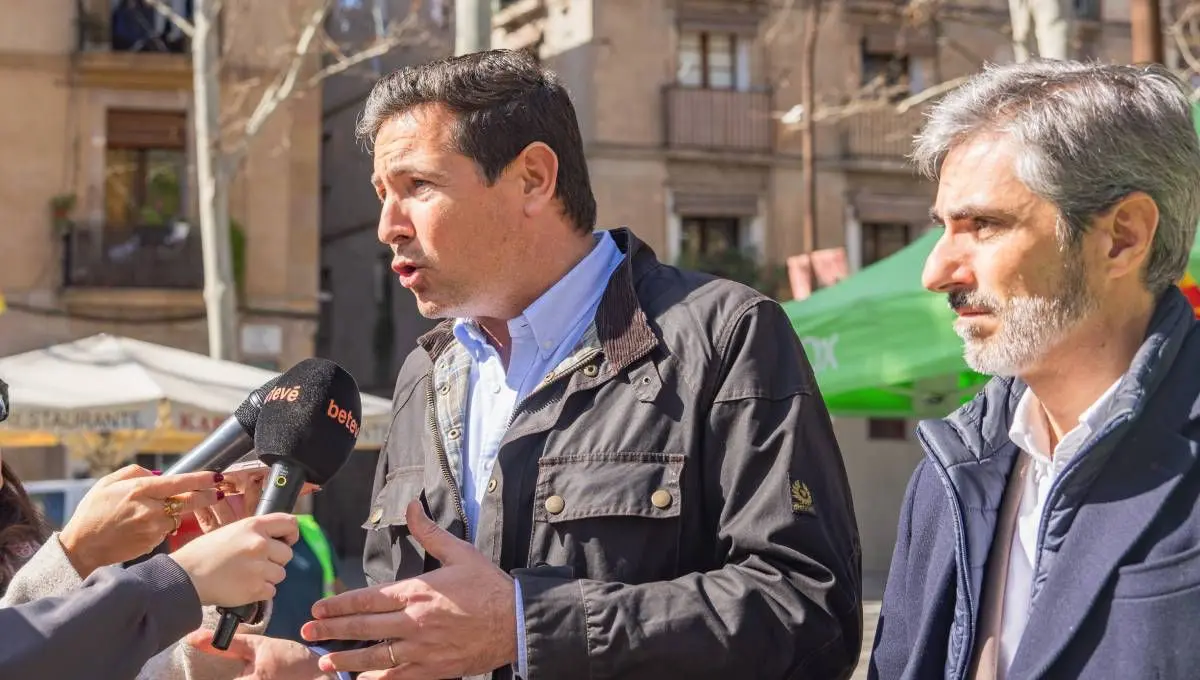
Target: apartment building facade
<point x="682" y="102"/>
<point x="98" y="185"/>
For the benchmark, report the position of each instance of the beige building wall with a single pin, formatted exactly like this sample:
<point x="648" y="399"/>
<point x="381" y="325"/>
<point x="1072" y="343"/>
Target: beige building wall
<point x="656" y="160"/>
<point x="58" y="91"/>
<point x="54" y="130"/>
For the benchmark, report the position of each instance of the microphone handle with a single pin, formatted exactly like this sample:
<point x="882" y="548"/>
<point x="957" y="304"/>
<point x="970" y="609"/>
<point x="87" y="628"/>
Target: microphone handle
<point x="219" y="450"/>
<point x="280" y="495"/>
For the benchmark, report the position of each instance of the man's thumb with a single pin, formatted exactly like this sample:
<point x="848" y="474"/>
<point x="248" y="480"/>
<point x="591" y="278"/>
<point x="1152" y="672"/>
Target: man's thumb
<point x="437" y="541"/>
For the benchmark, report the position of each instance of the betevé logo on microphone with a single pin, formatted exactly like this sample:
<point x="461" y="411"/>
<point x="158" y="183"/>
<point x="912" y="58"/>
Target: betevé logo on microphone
<point x="283" y="394"/>
<point x="342" y="416"/>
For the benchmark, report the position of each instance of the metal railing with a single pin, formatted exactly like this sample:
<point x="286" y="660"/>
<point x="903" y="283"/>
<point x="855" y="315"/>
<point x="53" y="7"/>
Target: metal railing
<point x="883" y="134"/>
<point x="138" y="28"/>
<point x="725" y="120"/>
<point x="106" y="256"/>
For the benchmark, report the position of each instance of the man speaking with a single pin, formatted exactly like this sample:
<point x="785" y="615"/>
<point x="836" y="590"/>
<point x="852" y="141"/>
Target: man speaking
<point x="629" y="468"/>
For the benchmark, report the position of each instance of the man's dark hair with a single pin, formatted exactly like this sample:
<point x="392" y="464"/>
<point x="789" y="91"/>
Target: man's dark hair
<point x="504" y="101"/>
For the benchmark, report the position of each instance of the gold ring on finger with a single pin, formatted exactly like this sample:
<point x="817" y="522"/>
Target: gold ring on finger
<point x="178" y="522"/>
<point x="391" y="654"/>
<point x="173" y="506"/>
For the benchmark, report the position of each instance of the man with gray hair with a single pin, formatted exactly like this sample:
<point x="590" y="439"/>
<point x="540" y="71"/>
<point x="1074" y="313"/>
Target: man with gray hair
<point x="1053" y="527"/>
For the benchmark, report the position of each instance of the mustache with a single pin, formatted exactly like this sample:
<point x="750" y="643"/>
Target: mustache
<point x="972" y="299"/>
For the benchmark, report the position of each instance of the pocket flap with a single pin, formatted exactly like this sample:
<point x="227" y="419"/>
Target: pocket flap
<point x="608" y="484"/>
<point x="400" y="487"/>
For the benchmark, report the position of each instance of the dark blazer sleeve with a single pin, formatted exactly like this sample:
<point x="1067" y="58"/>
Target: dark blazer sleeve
<point x="109" y="628"/>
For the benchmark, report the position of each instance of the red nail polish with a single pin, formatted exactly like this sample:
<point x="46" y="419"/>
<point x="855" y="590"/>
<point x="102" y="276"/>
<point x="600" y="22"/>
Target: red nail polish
<point x="220" y="494"/>
<point x="218" y="477"/>
<point x="156" y="472"/>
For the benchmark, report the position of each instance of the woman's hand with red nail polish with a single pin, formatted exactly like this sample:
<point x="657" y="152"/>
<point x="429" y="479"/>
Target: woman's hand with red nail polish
<point x="124" y="515"/>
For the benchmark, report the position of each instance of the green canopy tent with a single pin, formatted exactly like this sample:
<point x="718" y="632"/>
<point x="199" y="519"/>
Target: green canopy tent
<point x="883" y="346"/>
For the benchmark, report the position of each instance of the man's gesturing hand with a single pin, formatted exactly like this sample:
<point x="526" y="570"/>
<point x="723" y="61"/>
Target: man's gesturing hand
<point x="452" y="622"/>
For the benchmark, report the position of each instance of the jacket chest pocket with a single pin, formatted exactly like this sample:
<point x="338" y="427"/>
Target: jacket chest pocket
<point x="388" y="539"/>
<point x="609" y="516"/>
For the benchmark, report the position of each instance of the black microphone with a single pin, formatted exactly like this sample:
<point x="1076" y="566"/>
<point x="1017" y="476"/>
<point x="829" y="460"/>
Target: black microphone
<point x="233" y="439"/>
<point x="306" y="430"/>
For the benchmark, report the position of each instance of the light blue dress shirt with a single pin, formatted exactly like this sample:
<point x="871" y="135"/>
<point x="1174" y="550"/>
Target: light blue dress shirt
<point x="541" y="338"/>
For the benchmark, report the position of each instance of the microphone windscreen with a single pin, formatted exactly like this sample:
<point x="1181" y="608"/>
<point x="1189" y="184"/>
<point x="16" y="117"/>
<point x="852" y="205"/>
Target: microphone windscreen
<point x="247" y="412"/>
<point x="312" y="417"/>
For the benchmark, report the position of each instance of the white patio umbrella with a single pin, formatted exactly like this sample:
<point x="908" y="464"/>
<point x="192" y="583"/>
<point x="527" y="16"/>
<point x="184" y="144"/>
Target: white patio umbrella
<point x="130" y="395"/>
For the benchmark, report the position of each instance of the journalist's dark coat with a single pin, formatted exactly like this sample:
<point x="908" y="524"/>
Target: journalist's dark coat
<point x="1117" y="579"/>
<point x="671" y="499"/>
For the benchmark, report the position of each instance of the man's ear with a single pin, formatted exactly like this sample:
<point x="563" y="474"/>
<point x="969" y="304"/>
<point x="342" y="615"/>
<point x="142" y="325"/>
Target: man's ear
<point x="1128" y="229"/>
<point x="537" y="173"/>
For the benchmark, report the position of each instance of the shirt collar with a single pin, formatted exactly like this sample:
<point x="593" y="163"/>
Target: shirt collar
<point x="552" y="315"/>
<point x="1031" y="431"/>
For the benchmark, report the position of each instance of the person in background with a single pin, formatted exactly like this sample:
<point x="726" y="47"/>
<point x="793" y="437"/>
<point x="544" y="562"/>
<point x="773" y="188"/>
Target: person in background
<point x="22" y="528"/>
<point x="1052" y="529"/>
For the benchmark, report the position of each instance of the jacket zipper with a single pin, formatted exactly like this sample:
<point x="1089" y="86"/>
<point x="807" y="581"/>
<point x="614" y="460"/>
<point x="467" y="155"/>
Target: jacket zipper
<point x="963" y="564"/>
<point x="444" y="460"/>
<point x="1055" y="486"/>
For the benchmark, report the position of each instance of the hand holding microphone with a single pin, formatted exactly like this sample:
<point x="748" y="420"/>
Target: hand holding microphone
<point x="306" y="430"/>
<point x="240" y="562"/>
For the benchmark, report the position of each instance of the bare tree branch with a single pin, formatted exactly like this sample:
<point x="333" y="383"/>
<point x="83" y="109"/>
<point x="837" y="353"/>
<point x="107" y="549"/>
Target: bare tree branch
<point x="164" y="9"/>
<point x="395" y="37"/>
<point x="283" y="86"/>
<point x="1187" y="17"/>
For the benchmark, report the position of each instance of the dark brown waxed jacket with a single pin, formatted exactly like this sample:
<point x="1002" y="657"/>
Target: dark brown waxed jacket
<point x="671" y="497"/>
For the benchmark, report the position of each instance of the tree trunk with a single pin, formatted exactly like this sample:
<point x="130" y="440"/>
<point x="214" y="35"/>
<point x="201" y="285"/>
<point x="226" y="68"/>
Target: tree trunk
<point x="212" y="175"/>
<point x="472" y="26"/>
<point x="1145" y="23"/>
<point x="812" y="18"/>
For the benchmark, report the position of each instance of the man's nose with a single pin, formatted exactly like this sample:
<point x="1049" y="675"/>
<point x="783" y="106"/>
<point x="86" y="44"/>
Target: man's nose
<point x="948" y="267"/>
<point x="394" y="223"/>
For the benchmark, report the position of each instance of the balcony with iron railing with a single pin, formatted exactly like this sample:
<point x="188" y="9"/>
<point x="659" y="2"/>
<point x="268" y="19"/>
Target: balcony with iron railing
<point x="166" y="257"/>
<point x="130" y="45"/>
<point x="880" y="136"/>
<point x="718" y="120"/>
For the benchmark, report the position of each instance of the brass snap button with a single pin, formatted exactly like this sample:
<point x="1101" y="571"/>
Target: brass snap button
<point x="376" y="514"/>
<point x="661" y="499"/>
<point x="492" y="484"/>
<point x="555" y="505"/>
<point x="453" y="433"/>
<point x="591" y="370"/>
<point x="444" y="389"/>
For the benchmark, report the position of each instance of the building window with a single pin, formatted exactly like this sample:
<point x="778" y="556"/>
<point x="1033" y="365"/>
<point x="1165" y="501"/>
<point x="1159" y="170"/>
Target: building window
<point x="893" y="429"/>
<point x="136" y="26"/>
<point x="882" y="240"/>
<point x="714" y="61"/>
<point x="709" y="235"/>
<point x="145" y="166"/>
<point x="886" y="70"/>
<point x="1088" y="10"/>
